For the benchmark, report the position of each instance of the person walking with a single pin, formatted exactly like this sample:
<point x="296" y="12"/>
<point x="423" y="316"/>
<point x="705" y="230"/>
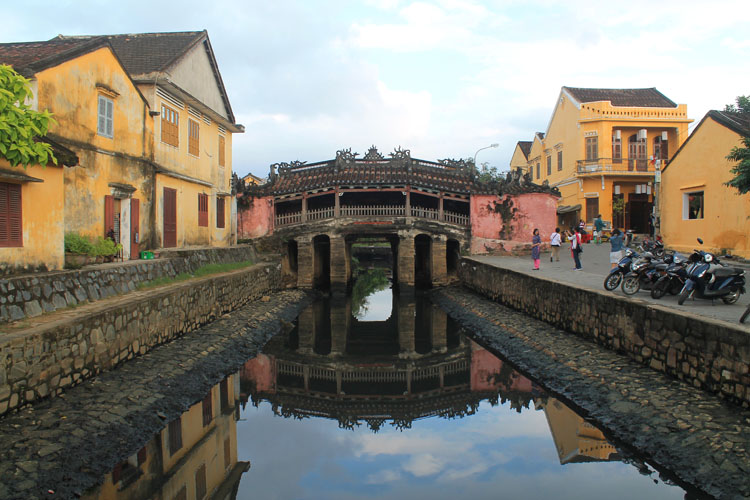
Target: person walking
<point x="576" y="247"/>
<point x="536" y="243"/>
<point x="616" y="240"/>
<point x="555" y="240"/>
<point x="598" y="227"/>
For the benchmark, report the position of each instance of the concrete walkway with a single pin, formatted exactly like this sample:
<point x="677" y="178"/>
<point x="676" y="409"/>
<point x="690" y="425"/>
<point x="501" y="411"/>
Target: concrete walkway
<point x="595" y="261"/>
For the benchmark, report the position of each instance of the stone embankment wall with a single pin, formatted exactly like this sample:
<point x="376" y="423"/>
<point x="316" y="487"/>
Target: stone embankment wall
<point x="31" y="295"/>
<point x="707" y="353"/>
<point x="41" y="361"/>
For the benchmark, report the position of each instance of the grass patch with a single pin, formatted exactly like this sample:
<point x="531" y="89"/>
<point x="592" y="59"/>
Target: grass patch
<point x="202" y="271"/>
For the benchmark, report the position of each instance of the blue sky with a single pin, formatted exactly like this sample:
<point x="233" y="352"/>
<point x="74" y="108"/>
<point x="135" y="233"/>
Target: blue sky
<point x="442" y="78"/>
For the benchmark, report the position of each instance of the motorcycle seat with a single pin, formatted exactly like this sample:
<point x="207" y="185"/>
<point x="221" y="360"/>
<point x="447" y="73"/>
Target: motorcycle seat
<point x="661" y="267"/>
<point x="724" y="272"/>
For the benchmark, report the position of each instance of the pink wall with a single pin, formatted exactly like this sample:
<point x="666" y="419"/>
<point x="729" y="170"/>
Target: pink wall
<point x="485" y="368"/>
<point x="523" y="212"/>
<point x="255" y="220"/>
<point x="260" y="371"/>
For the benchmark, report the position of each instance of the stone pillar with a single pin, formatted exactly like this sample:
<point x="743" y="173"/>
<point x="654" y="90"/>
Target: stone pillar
<point x="348" y="262"/>
<point x="338" y="265"/>
<point x="336" y="203"/>
<point x="408" y="202"/>
<point x="439" y="263"/>
<point x="304" y="207"/>
<point x="305" y="263"/>
<point x="406" y="325"/>
<point x="439" y="330"/>
<point x="440" y="208"/>
<point x="406" y="264"/>
<point x="340" y="315"/>
<point x="306" y="330"/>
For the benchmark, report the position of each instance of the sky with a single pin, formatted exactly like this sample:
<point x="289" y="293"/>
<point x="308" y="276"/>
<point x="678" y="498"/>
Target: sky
<point x="442" y="78"/>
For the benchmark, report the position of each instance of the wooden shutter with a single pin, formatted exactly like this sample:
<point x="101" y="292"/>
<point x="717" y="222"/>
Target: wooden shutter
<point x="170" y="217"/>
<point x="202" y="210"/>
<point x="135" y="225"/>
<point x="109" y="214"/>
<point x="220" y="212"/>
<point x="222" y="158"/>
<point x="11" y="221"/>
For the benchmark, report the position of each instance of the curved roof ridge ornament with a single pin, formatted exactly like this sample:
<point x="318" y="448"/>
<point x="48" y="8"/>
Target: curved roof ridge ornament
<point x="373" y="154"/>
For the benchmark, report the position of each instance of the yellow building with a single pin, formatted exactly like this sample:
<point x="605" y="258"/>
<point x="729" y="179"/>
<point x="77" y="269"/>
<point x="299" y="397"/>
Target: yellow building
<point x="192" y="135"/>
<point x="194" y="456"/>
<point x="600" y="149"/>
<point x="695" y="202"/>
<point x="252" y="180"/>
<point x="520" y="158"/>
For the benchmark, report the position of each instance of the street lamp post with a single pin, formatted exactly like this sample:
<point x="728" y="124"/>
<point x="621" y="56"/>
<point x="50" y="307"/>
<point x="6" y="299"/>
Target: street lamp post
<point x="480" y="149"/>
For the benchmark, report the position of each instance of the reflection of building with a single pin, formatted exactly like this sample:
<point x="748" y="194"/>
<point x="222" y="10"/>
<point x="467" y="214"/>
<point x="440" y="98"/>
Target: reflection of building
<point x="194" y="456"/>
<point x="411" y="366"/>
<point x="575" y="439"/>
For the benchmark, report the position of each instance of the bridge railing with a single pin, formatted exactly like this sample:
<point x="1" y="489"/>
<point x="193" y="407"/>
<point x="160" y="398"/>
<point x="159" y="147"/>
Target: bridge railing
<point x="372" y="211"/>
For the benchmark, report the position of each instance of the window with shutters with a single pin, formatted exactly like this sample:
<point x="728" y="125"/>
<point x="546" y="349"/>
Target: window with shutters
<point x="208" y="410"/>
<point x="202" y="209"/>
<point x="105" y="119"/>
<point x="616" y="149"/>
<point x="200" y="482"/>
<point x="222" y="158"/>
<point x="224" y="395"/>
<point x="193" y="137"/>
<point x="559" y="160"/>
<point x="170" y="126"/>
<point x="227" y="453"/>
<point x="538" y="171"/>
<point x="219" y="212"/>
<point x="175" y="435"/>
<point x="549" y="165"/>
<point x="592" y="148"/>
<point x="11" y="228"/>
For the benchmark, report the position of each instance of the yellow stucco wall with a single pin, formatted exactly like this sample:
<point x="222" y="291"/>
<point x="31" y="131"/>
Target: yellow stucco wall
<point x="567" y="130"/>
<point x="702" y="166"/>
<point x="518" y="159"/>
<point x="42" y="213"/>
<point x="71" y="91"/>
<point x="189" y="233"/>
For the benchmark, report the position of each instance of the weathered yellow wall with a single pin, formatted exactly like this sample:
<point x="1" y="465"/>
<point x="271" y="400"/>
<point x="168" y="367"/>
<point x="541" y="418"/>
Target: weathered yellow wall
<point x="42" y="212"/>
<point x="188" y="231"/>
<point x="702" y="166"/>
<point x="70" y="90"/>
<point x="518" y="159"/>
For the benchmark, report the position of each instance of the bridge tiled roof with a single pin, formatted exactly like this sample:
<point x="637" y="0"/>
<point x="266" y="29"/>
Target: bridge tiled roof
<point x="346" y="171"/>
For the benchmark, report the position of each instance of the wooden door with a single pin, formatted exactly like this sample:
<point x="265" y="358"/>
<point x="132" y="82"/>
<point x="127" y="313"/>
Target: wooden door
<point x="170" y="217"/>
<point x="135" y="237"/>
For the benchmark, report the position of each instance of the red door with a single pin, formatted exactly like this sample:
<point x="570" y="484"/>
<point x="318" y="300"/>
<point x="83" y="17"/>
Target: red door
<point x="135" y="236"/>
<point x="170" y="217"/>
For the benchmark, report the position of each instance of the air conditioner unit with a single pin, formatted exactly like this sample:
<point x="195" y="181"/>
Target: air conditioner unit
<point x="642" y="134"/>
<point x="664" y="135"/>
<point x="618" y="134"/>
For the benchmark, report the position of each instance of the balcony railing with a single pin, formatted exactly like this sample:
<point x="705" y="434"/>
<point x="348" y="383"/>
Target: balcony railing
<point x="372" y="211"/>
<point x="619" y="166"/>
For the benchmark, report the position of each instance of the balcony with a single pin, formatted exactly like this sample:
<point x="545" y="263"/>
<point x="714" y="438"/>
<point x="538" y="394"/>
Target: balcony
<point x="372" y="211"/>
<point x="617" y="166"/>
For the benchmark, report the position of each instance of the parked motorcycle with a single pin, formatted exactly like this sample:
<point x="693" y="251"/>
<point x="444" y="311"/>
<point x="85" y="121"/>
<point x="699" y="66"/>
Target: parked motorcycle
<point x="745" y="314"/>
<point x="673" y="279"/>
<point x="644" y="273"/>
<point x="656" y="247"/>
<point x="614" y="278"/>
<point x="708" y="278"/>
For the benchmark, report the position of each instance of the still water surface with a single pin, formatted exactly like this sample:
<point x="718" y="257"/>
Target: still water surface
<point x="377" y="396"/>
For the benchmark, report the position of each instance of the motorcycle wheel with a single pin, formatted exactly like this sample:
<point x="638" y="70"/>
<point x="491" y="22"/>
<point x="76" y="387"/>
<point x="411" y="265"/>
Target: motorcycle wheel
<point x="675" y="287"/>
<point x="683" y="296"/>
<point x="745" y="315"/>
<point x="631" y="285"/>
<point x="659" y="253"/>
<point x="612" y="281"/>
<point x="733" y="297"/>
<point x="660" y="288"/>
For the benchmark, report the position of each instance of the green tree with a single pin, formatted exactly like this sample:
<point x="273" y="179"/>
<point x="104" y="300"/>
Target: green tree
<point x="19" y="124"/>
<point x="741" y="171"/>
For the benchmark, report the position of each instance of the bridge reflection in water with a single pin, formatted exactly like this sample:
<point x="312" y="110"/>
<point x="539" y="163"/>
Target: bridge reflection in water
<point x="374" y="376"/>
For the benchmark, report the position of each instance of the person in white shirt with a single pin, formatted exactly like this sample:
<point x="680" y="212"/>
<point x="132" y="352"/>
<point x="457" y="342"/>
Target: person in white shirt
<point x="555" y="240"/>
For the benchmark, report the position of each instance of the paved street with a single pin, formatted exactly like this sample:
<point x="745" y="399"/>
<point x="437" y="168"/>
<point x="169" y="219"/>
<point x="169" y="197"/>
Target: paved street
<point x="595" y="261"/>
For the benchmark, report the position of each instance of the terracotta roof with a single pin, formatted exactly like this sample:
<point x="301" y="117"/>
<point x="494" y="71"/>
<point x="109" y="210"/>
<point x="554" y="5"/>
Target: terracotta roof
<point x="644" y="98"/>
<point x="525" y="147"/>
<point x="28" y="58"/>
<point x="143" y="53"/>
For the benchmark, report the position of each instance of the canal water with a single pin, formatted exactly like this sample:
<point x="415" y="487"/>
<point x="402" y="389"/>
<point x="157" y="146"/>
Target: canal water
<point x="379" y="396"/>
